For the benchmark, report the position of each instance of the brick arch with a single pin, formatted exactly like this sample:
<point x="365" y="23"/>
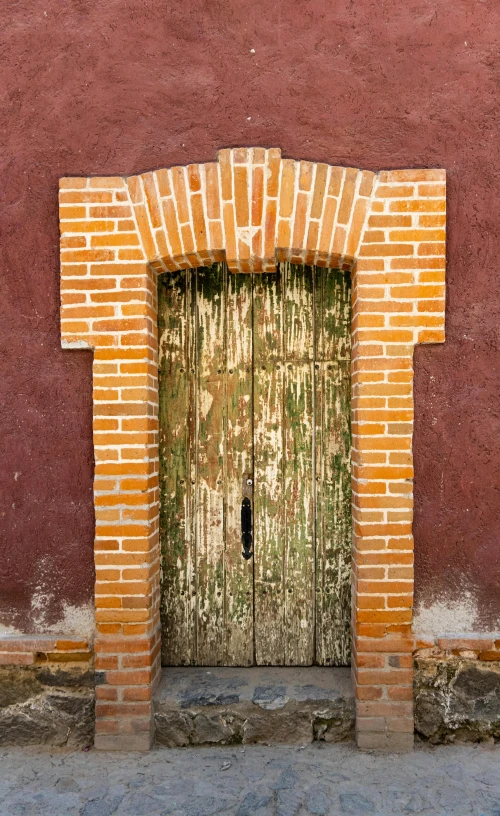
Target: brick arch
<point x="252" y="209"/>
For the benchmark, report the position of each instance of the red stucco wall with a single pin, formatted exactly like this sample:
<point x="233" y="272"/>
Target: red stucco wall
<point x="118" y="88"/>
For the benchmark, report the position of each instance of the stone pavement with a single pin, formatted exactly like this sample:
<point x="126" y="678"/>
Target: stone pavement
<point x="319" y="779"/>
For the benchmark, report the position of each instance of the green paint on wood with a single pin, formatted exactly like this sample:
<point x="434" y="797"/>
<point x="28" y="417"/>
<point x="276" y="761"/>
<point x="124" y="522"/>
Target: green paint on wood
<point x="175" y="443"/>
<point x="210" y="445"/>
<point x="266" y="393"/>
<point x="239" y="468"/>
<point x="298" y="431"/>
<point x="269" y="496"/>
<point x="333" y="468"/>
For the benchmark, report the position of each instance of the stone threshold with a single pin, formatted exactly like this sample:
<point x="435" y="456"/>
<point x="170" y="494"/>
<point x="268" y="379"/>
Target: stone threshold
<point x="257" y="705"/>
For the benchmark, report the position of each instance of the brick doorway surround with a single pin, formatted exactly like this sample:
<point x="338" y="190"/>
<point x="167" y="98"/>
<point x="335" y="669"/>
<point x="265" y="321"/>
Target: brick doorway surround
<point x="252" y="209"/>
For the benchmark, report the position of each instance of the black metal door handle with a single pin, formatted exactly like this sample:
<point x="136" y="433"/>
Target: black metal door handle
<point x="246" y="528"/>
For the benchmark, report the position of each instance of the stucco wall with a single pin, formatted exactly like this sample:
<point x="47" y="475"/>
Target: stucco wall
<point x="119" y="88"/>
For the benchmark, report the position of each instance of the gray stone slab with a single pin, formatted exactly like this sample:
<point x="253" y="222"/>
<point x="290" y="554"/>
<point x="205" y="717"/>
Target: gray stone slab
<point x="195" y="706"/>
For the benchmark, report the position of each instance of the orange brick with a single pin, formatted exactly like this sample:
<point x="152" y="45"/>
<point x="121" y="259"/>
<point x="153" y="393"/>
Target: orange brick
<point x="367" y="181"/>
<point x="136" y="661"/>
<point x="136" y="693"/>
<point x="347" y="197"/>
<point x="84" y="197"/>
<point x="399" y="191"/>
<point x="431" y="306"/>
<point x="241" y="196"/>
<point x="385" y="250"/>
<point x="357" y="223"/>
<point x="319" y="190"/>
<point x="414" y="175"/>
<point x="299" y="221"/>
<point x="125" y="225"/>
<point x="431" y="249"/>
<point x="106" y="693"/>
<point x="72" y="183"/>
<point x="390" y="221"/>
<point x="326" y="232"/>
<point x="336" y="178"/>
<point x="305" y="175"/>
<point x="85" y="256"/>
<point x="374" y="236"/>
<point x="71" y="242"/>
<point x="287" y="188"/>
<point x="435" y="190"/>
<point x="108" y="628"/>
<point x="417" y="235"/>
<point x="431" y="220"/>
<point x="418" y="206"/>
<point x="431" y="277"/>
<point x="490" y="654"/>
<point x="368" y="692"/>
<point x="370" y="661"/>
<point x="389" y="616"/>
<point x="388" y="677"/>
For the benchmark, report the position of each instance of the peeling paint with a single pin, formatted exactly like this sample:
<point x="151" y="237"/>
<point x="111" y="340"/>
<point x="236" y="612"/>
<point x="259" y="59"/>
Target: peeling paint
<point x="447" y="615"/>
<point x="9" y="630"/>
<point x="76" y="621"/>
<point x="76" y="344"/>
<point x="254" y="381"/>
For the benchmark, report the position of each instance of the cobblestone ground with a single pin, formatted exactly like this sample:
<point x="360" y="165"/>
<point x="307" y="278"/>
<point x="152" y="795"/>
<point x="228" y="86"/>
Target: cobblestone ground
<point x="253" y="781"/>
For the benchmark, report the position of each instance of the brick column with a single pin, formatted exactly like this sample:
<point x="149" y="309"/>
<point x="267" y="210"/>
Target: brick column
<point x="398" y="301"/>
<point x="108" y="296"/>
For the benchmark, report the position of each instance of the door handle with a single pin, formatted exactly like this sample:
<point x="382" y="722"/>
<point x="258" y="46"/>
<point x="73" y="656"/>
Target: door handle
<point x="246" y="528"/>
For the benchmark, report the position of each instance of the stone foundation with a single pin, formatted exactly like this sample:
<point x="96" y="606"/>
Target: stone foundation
<point x="457" y="700"/>
<point x="245" y="706"/>
<point x="457" y="688"/>
<point x="46" y="697"/>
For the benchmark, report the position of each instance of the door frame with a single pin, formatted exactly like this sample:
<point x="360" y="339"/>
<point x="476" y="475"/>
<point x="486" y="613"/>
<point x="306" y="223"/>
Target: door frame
<point x="252" y="209"/>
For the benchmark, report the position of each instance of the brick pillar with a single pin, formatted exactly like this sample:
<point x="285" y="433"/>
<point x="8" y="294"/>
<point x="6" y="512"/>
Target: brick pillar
<point x="398" y="300"/>
<point x="127" y="530"/>
<point x="108" y="295"/>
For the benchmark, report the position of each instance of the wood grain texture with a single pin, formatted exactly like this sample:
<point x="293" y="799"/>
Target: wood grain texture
<point x="254" y="384"/>
<point x="269" y="506"/>
<point x="210" y="458"/>
<point x="298" y="432"/>
<point x="333" y="468"/>
<point x="239" y="468"/>
<point x="176" y="512"/>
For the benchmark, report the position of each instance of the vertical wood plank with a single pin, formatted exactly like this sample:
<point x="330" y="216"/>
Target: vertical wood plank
<point x="333" y="468"/>
<point x="210" y="452"/>
<point x="298" y="286"/>
<point x="298" y="431"/>
<point x="239" y="467"/>
<point x="334" y="331"/>
<point x="177" y="546"/>
<point x="269" y="510"/>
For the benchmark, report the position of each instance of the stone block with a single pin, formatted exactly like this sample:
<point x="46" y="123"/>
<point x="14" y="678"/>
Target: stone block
<point x="457" y="700"/>
<point x="253" y="706"/>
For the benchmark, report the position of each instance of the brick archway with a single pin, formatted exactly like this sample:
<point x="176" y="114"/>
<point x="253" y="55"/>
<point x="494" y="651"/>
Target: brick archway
<point x="252" y="208"/>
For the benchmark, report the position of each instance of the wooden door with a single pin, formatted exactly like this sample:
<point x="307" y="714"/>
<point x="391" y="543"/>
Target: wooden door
<point x="254" y="401"/>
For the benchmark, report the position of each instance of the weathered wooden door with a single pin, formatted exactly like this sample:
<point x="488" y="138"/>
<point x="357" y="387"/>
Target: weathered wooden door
<point x="254" y="402"/>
